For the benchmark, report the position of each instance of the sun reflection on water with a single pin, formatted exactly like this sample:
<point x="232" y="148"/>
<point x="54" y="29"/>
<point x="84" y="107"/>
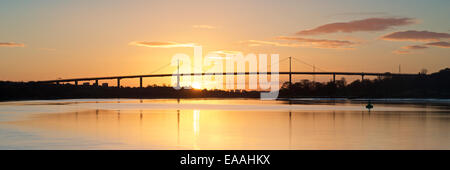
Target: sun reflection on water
<point x="243" y="128"/>
<point x="196" y="126"/>
<point x="196" y="122"/>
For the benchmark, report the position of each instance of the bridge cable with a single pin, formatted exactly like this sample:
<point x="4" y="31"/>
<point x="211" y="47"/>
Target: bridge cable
<point x="312" y="66"/>
<point x="279" y="61"/>
<point x="160" y="68"/>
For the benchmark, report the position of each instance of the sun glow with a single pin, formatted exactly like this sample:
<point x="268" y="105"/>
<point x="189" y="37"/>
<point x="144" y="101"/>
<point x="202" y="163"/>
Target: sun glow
<point x="196" y="85"/>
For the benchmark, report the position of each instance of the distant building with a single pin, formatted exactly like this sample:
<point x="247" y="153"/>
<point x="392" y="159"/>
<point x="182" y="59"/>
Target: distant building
<point x="104" y="84"/>
<point x="86" y="84"/>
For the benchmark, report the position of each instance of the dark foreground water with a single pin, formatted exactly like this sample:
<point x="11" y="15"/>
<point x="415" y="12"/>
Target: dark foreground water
<point x="222" y="124"/>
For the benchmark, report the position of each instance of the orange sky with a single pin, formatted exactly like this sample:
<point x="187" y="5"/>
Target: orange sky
<point x="46" y="39"/>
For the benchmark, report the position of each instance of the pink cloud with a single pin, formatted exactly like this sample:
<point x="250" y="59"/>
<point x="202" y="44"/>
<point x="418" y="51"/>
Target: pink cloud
<point x="370" y="24"/>
<point x="441" y="44"/>
<point x="321" y="43"/>
<point x="412" y="35"/>
<point x="303" y="42"/>
<point x="415" y="47"/>
<point x="11" y="44"/>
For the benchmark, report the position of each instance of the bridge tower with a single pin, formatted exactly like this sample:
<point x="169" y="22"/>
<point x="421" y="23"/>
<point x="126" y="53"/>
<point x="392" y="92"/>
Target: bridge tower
<point x="178" y="76"/>
<point x="290" y="70"/>
<point x="314" y="75"/>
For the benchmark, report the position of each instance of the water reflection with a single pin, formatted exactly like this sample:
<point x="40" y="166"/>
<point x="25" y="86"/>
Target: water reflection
<point x="178" y="127"/>
<point x="234" y="129"/>
<point x="196" y="126"/>
<point x="290" y="128"/>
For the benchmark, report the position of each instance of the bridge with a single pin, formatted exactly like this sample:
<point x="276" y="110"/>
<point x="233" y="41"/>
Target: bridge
<point x="118" y="78"/>
<point x="290" y="73"/>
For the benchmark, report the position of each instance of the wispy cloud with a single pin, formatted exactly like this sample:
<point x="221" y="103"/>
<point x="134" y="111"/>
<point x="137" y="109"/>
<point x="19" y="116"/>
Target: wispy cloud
<point x="226" y="52"/>
<point x="158" y="44"/>
<point x="11" y="44"/>
<point x="415" y="47"/>
<point x="413" y="35"/>
<point x="441" y="44"/>
<point x="321" y="43"/>
<point x="303" y="42"/>
<point x="204" y="26"/>
<point x="256" y="43"/>
<point x="370" y="24"/>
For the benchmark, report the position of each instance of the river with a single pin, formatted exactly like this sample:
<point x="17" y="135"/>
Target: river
<point x="224" y="124"/>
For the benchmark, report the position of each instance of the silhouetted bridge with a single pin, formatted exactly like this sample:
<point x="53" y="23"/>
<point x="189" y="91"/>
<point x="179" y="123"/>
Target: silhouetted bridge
<point x="118" y="78"/>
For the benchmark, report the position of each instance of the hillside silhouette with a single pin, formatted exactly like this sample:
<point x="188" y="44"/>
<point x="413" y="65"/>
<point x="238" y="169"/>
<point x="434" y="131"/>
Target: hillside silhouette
<point x="435" y="85"/>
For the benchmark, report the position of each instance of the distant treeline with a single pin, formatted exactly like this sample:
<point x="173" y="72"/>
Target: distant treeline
<point x="31" y="91"/>
<point x="436" y="85"/>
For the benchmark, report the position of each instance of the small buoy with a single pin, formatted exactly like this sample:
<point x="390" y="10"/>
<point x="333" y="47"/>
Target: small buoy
<point x="369" y="106"/>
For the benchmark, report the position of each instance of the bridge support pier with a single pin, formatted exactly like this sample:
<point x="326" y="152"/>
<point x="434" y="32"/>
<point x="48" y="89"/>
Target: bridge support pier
<point x="76" y="83"/>
<point x="362" y="77"/>
<point x="96" y="82"/>
<point x="118" y="82"/>
<point x="140" y="82"/>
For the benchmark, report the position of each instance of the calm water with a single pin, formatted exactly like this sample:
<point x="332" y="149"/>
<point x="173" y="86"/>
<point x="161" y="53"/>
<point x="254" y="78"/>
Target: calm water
<point x="222" y="124"/>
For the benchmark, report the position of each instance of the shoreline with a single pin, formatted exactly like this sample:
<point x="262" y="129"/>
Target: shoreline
<point x="297" y="100"/>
